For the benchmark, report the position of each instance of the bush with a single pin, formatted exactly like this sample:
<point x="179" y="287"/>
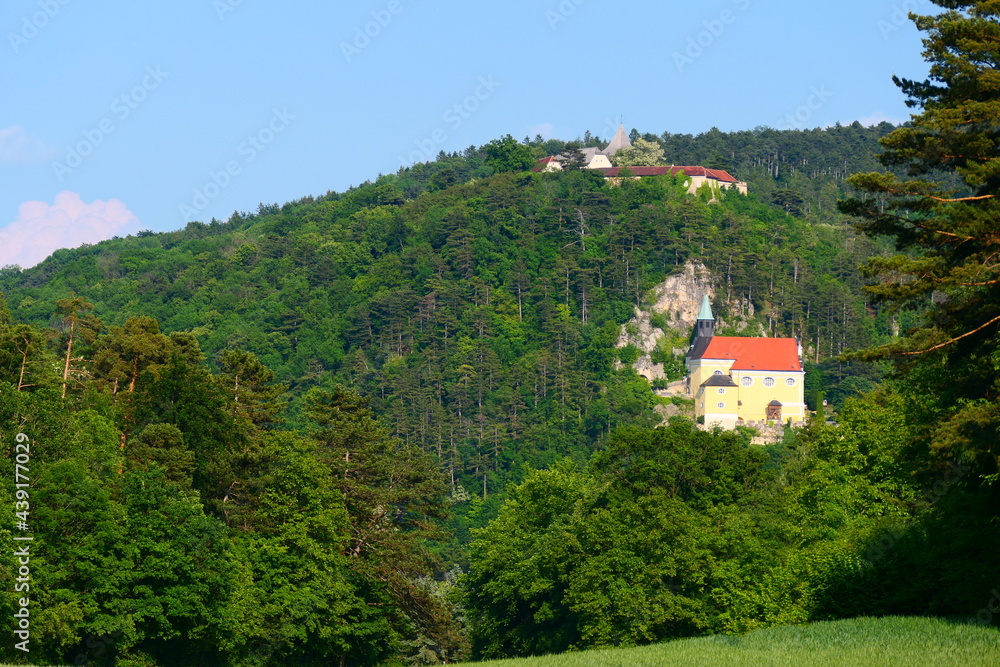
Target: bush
<point x="629" y="354"/>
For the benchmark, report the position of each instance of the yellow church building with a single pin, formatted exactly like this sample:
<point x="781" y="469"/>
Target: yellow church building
<point x="737" y="381"/>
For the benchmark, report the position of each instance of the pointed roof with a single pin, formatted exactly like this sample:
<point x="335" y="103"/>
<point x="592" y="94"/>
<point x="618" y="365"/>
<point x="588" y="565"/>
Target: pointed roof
<point x="619" y="142"/>
<point x="706" y="310"/>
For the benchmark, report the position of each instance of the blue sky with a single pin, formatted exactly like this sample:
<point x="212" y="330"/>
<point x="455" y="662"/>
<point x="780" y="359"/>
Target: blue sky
<point x="120" y="116"/>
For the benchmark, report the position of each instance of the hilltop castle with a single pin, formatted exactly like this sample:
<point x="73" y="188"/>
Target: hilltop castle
<point x="599" y="159"/>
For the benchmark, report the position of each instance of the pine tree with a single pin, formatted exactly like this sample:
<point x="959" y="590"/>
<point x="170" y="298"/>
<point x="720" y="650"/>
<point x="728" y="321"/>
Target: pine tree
<point x="943" y="209"/>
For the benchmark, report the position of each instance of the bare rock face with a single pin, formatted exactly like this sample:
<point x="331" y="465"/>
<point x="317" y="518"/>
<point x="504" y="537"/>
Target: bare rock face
<point x="678" y="300"/>
<point x="679" y="297"/>
<point x="667" y="411"/>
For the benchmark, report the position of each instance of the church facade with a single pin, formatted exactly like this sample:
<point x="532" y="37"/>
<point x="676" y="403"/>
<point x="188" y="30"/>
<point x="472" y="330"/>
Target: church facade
<point x="739" y="381"/>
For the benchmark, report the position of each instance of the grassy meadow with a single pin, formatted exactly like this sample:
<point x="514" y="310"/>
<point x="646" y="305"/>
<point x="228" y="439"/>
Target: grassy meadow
<point x="895" y="641"/>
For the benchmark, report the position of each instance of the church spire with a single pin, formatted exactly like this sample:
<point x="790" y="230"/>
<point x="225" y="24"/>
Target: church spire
<point x="705" y="328"/>
<point x="706" y="310"/>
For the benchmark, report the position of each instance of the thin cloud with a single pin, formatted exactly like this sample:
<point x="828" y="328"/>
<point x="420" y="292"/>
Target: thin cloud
<point x="41" y="228"/>
<point x="546" y="130"/>
<point x="18" y="146"/>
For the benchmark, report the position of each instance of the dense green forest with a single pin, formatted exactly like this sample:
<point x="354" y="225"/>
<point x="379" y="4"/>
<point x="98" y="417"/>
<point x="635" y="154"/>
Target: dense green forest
<point x="803" y="171"/>
<point x="192" y="384"/>
<point x="480" y="319"/>
<point x="391" y="425"/>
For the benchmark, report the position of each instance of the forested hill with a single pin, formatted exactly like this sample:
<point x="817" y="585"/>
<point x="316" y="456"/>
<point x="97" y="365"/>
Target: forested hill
<point x="802" y="171"/>
<point x="480" y="317"/>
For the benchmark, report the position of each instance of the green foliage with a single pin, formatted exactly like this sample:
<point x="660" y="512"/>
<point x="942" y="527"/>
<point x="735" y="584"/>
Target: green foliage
<point x="677" y="532"/>
<point x="506" y="154"/>
<point x="476" y="316"/>
<point x="642" y="154"/>
<point x="619" y="554"/>
<point x="629" y="354"/>
<point x="179" y="526"/>
<point x="438" y="334"/>
<point x="942" y="215"/>
<point x="248" y="384"/>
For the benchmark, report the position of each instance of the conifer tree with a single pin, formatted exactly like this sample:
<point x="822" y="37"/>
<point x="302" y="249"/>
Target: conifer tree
<point x="942" y="207"/>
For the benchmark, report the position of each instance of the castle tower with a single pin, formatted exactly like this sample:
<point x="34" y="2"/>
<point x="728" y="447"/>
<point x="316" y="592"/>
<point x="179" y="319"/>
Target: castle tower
<point x="619" y="142"/>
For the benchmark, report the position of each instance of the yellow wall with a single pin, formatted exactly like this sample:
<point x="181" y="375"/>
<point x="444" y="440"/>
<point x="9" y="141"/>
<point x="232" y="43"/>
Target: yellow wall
<point x="754" y="398"/>
<point x="700" y="370"/>
<point x="719" y="405"/>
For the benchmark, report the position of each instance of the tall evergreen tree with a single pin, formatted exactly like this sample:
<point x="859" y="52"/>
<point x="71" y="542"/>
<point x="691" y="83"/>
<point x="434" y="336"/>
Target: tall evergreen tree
<point x="944" y="217"/>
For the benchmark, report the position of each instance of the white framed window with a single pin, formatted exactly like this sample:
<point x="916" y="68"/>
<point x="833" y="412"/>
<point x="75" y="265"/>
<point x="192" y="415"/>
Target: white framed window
<point x="717" y="373"/>
<point x="721" y="404"/>
<point x="790" y="382"/>
<point x="746" y="381"/>
<point x="722" y="391"/>
<point x="768" y="382"/>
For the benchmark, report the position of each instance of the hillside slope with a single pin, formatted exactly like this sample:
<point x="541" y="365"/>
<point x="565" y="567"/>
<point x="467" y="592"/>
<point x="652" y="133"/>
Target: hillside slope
<point x="480" y="318"/>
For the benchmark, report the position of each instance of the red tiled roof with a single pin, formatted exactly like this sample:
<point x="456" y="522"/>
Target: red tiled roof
<point x="543" y="163"/>
<point x="756" y="354"/>
<point x="717" y="174"/>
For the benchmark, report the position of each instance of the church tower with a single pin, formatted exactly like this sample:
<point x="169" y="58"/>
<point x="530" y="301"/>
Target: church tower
<point x="705" y="328"/>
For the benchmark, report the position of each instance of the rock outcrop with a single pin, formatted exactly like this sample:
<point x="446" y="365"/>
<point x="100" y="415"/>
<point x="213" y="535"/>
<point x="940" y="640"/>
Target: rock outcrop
<point x="677" y="301"/>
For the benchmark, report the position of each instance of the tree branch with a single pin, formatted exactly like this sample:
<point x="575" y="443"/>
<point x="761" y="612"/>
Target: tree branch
<point x="953" y="340"/>
<point x="904" y="219"/>
<point x="940" y="199"/>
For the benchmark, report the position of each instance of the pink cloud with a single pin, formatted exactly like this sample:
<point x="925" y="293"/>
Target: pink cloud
<point x="41" y="228"/>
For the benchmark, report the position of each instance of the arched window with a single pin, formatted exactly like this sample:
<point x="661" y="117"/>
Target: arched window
<point x="746" y="381"/>
<point x="790" y="382"/>
<point x="768" y="382"/>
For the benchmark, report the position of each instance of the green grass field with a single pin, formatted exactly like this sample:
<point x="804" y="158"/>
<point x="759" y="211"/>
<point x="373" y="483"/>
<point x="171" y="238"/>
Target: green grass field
<point x="921" y="642"/>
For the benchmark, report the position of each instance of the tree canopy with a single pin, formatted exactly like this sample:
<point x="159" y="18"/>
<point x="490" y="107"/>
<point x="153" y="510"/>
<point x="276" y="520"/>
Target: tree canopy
<point x="943" y="214"/>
